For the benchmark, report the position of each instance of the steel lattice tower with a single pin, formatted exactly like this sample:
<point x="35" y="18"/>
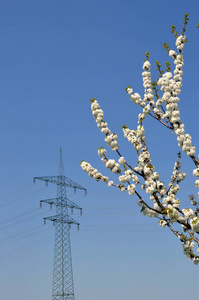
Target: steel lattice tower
<point x="63" y="287"/>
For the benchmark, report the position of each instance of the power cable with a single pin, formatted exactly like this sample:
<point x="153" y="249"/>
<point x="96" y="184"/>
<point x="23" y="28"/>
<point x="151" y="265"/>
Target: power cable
<point x="19" y="216"/>
<point x="18" y="191"/>
<point x="21" y="221"/>
<point x="22" y="235"/>
<point x="19" y="198"/>
<point x="30" y="245"/>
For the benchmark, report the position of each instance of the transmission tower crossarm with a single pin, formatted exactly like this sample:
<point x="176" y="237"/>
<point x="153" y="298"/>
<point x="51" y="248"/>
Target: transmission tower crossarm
<point x="60" y="180"/>
<point x="54" y="201"/>
<point x="73" y="205"/>
<point x="58" y="218"/>
<point x="64" y="202"/>
<point x="75" y="185"/>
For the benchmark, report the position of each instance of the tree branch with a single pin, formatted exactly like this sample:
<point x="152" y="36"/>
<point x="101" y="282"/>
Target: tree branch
<point x="158" y="119"/>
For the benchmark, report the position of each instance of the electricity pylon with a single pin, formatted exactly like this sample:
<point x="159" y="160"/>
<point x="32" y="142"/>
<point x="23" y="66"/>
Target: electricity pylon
<point x="63" y="287"/>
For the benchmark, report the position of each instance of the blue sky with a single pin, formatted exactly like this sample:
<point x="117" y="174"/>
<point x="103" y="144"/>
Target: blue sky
<point x="54" y="57"/>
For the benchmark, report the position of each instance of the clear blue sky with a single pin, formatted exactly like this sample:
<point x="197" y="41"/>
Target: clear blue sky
<point x="54" y="57"/>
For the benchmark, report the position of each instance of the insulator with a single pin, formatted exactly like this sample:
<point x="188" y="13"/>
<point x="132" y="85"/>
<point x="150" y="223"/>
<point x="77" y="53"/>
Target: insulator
<point x="80" y="211"/>
<point x="75" y="190"/>
<point x="85" y="192"/>
<point x="40" y="204"/>
<point x="72" y="211"/>
<point x="78" y="227"/>
<point x="46" y="183"/>
<point x="44" y="221"/>
<point x="51" y="206"/>
<point x="69" y="226"/>
<point x="34" y="180"/>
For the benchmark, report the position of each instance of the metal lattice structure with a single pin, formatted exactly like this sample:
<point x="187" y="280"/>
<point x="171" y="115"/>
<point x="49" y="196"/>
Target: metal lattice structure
<point x="63" y="287"/>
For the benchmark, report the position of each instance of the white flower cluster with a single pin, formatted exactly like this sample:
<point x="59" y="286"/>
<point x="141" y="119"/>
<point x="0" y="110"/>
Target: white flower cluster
<point x="196" y="172"/>
<point x="145" y="112"/>
<point x="147" y="65"/>
<point x="135" y="97"/>
<point x="102" y="154"/>
<point x="197" y="183"/>
<point x="135" y="178"/>
<point x="148" y="95"/>
<point x="173" y="54"/>
<point x="188" y="249"/>
<point x="121" y="160"/>
<point x="131" y="189"/>
<point x="171" y="200"/>
<point x="178" y="176"/>
<point x="152" y="214"/>
<point x="171" y="87"/>
<point x="111" y="140"/>
<point x="154" y="187"/>
<point x="194" y="222"/>
<point x="97" y="111"/>
<point x="113" y="166"/>
<point x="144" y="157"/>
<point x="122" y="187"/>
<point x="131" y="136"/>
<point x="148" y="212"/>
<point x="126" y="177"/>
<point x="148" y="170"/>
<point x="98" y="114"/>
<point x="110" y="183"/>
<point x="172" y="214"/>
<point x="135" y="137"/>
<point x="188" y="213"/>
<point x="180" y="42"/>
<point x="162" y="223"/>
<point x="102" y="151"/>
<point x="196" y="260"/>
<point x="170" y="197"/>
<point x="146" y="75"/>
<point x="174" y="189"/>
<point x="178" y="72"/>
<point x="92" y="172"/>
<point x="185" y="142"/>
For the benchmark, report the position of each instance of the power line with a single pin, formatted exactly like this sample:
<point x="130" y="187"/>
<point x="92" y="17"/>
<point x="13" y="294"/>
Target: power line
<point x="19" y="216"/>
<point x="28" y="246"/>
<point x="21" y="197"/>
<point x="16" y="192"/>
<point x="21" y="221"/>
<point x="22" y="235"/>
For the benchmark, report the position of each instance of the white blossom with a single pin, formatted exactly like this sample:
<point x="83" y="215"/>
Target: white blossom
<point x="196" y="172"/>
<point x="121" y="160"/>
<point x="110" y="183"/>
<point x="162" y="223"/>
<point x="194" y="222"/>
<point x="146" y="65"/>
<point x="131" y="189"/>
<point x="197" y="183"/>
<point x="188" y="213"/>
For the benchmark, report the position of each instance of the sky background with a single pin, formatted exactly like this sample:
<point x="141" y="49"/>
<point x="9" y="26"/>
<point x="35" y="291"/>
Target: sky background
<point x="54" y="57"/>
